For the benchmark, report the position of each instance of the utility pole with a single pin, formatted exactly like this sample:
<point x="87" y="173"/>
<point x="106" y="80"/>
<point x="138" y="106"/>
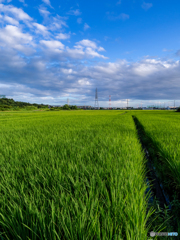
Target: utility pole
<point x="109" y="101"/>
<point x="68" y="101"/>
<point x="96" y="100"/>
<point x="127" y="103"/>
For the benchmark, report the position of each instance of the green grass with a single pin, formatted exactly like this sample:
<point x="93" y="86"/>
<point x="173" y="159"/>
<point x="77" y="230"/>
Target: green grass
<point x="72" y="175"/>
<point x="163" y="130"/>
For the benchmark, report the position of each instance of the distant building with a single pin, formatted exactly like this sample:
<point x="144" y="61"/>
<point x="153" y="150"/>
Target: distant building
<point x="85" y="107"/>
<point x="172" y="108"/>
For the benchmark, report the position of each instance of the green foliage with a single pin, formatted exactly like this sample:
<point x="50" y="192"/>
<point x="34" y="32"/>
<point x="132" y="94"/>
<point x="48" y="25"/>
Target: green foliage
<point x="72" y="175"/>
<point x="161" y="130"/>
<point x="178" y="109"/>
<point x="55" y="108"/>
<point x="66" y="107"/>
<point x="7" y="104"/>
<point x="74" y="107"/>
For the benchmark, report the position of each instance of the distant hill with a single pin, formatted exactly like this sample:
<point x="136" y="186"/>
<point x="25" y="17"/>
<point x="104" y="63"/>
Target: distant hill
<point x="9" y="104"/>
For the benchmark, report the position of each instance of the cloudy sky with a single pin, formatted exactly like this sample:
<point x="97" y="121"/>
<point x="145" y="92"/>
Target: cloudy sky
<point x="53" y="50"/>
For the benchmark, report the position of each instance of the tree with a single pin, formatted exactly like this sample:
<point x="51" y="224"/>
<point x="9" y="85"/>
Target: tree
<point x="74" y="107"/>
<point x="66" y="107"/>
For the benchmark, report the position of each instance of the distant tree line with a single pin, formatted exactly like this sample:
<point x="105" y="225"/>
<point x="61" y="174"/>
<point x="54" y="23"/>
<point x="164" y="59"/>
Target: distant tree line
<point x="9" y="104"/>
<point x="65" y="107"/>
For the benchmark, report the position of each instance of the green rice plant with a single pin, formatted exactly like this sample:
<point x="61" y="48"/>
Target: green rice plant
<point x="72" y="175"/>
<point x="162" y="131"/>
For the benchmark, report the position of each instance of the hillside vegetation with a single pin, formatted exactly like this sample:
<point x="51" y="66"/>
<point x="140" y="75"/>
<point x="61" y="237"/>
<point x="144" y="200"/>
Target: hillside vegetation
<point x="7" y="104"/>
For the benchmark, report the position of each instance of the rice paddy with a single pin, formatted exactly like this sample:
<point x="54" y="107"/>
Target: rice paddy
<point x="162" y="128"/>
<point x="73" y="175"/>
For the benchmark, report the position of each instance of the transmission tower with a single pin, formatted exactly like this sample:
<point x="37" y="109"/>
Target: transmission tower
<point x="68" y="101"/>
<point x="127" y="103"/>
<point x="96" y="100"/>
<point x="109" y="101"/>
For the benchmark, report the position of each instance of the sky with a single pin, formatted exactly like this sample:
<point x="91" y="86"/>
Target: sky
<point x="51" y="51"/>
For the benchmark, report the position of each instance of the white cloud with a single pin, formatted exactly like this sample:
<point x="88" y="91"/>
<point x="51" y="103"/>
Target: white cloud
<point x="90" y="48"/>
<point x="79" y="20"/>
<point x="86" y="26"/>
<point x="113" y="17"/>
<point x="101" y="49"/>
<point x="23" y="3"/>
<point x="87" y="43"/>
<point x="145" y="69"/>
<point x="84" y="81"/>
<point x="66" y="71"/>
<point x="63" y="36"/>
<point x="4" y="1"/>
<point x="44" y="12"/>
<point x="74" y="12"/>
<point x="47" y="2"/>
<point x="10" y="32"/>
<point x="13" y="37"/>
<point x="52" y="44"/>
<point x="18" y="13"/>
<point x="167" y="50"/>
<point x="91" y="52"/>
<point x="57" y="23"/>
<point x="41" y="29"/>
<point x="146" y="6"/>
<point x="80" y="53"/>
<point x="40" y="78"/>
<point x="11" y="20"/>
<point x="56" y="61"/>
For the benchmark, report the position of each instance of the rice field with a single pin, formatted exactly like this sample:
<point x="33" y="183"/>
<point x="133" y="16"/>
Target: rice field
<point x="82" y="174"/>
<point x="72" y="175"/>
<point x="163" y="130"/>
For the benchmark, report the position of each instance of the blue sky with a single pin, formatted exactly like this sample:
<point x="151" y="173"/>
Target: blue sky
<point x="53" y="50"/>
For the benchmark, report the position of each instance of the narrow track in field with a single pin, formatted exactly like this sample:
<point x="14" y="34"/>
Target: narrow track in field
<point x="157" y="187"/>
